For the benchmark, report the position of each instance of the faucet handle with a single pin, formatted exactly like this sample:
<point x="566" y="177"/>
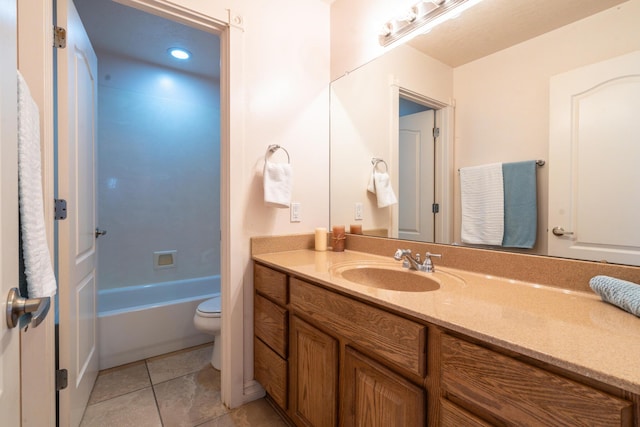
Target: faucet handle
<point x="428" y="264"/>
<point x="429" y="255"/>
<point x="400" y="253"/>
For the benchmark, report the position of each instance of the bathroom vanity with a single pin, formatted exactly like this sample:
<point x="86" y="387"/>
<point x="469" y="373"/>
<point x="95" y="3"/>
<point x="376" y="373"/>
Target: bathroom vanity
<point x="479" y="350"/>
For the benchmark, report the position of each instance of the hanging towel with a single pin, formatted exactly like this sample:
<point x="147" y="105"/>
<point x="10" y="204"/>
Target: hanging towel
<point x="380" y="185"/>
<point x="482" y="197"/>
<point x="620" y="293"/>
<point x="520" y="208"/>
<point x="277" y="182"/>
<point x="41" y="281"/>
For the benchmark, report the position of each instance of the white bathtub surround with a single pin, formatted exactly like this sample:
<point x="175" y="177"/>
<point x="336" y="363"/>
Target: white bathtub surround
<point x="158" y="141"/>
<point x="138" y="322"/>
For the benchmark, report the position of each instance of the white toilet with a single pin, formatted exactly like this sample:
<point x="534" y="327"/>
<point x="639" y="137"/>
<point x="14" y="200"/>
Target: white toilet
<point x="207" y="320"/>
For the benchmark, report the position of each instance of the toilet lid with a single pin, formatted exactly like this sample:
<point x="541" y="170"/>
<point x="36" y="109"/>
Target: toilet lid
<point x="210" y="306"/>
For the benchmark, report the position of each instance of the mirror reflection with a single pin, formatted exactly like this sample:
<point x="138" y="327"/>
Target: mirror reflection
<point x="498" y="95"/>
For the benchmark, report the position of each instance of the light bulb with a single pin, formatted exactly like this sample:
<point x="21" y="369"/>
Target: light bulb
<point x="179" y="53"/>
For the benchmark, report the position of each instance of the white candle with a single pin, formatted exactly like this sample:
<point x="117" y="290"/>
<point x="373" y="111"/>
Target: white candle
<point x="321" y="239"/>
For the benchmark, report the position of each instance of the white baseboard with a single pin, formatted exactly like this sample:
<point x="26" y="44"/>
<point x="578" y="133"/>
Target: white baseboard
<point x="252" y="391"/>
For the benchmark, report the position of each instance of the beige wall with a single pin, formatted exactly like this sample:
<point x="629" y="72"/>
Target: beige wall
<point x="286" y="103"/>
<point x="355" y="25"/>
<point x="283" y="99"/>
<point x="502" y="100"/>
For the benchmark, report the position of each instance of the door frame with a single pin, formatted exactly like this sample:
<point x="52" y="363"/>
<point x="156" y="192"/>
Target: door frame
<point x="443" y="230"/>
<point x="230" y="28"/>
<point x="416" y="124"/>
<point x="229" y="25"/>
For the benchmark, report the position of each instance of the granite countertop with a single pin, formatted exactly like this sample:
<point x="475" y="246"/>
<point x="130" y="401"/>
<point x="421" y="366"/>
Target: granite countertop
<point x="573" y="330"/>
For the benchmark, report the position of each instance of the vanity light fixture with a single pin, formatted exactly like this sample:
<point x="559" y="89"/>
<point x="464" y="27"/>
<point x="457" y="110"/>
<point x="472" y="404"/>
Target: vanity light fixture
<point x="422" y="17"/>
<point x="179" y="53"/>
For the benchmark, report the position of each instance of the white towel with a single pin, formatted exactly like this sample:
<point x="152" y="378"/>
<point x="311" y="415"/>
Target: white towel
<point x="41" y="281"/>
<point x="482" y="195"/>
<point x="380" y="185"/>
<point x="277" y="180"/>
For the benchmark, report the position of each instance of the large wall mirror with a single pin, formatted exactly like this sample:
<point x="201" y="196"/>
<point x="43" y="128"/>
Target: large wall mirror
<point x="497" y="84"/>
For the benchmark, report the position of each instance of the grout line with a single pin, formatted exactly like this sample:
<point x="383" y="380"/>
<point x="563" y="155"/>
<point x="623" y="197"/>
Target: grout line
<point x="153" y="390"/>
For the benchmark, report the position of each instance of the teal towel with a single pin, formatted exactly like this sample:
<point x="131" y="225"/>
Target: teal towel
<point x="520" y="206"/>
<point x="621" y="293"/>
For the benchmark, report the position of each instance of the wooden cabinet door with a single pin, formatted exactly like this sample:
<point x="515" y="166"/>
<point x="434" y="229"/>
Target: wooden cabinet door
<point x="314" y="376"/>
<point x="374" y="396"/>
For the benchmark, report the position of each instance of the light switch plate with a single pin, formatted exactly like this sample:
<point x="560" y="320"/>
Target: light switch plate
<point x="359" y="209"/>
<point x="296" y="214"/>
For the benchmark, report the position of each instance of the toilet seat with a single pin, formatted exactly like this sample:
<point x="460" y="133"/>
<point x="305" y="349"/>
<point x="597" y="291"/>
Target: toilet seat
<point x="209" y="308"/>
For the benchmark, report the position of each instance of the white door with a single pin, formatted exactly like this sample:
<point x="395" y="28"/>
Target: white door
<point x="10" y="338"/>
<point x="416" y="177"/>
<point x="594" y="178"/>
<point x="77" y="112"/>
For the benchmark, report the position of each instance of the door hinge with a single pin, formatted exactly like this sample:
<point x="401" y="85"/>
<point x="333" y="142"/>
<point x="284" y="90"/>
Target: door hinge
<point x="436" y="132"/>
<point x="60" y="209"/>
<point x="435" y="208"/>
<point x="61" y="379"/>
<point x="59" y="37"/>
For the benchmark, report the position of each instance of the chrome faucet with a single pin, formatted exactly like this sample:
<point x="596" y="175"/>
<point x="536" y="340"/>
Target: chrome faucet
<point x="414" y="263"/>
<point x="409" y="261"/>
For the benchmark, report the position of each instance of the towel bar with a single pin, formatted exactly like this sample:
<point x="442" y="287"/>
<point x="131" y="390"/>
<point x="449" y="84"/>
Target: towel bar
<point x="539" y="163"/>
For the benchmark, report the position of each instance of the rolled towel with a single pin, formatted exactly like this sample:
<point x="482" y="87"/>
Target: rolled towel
<point x="41" y="281"/>
<point x="621" y="293"/>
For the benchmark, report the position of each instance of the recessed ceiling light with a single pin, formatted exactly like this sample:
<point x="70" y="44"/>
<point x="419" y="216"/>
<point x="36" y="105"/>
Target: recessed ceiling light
<point x="179" y="53"/>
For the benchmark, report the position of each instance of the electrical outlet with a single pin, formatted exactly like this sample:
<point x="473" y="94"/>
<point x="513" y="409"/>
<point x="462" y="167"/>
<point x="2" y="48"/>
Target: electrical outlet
<point x="359" y="209"/>
<point x="296" y="215"/>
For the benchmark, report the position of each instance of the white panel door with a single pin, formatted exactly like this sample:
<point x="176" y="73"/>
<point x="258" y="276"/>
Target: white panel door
<point x="10" y="338"/>
<point x="594" y="153"/>
<point x="416" y="177"/>
<point x="77" y="109"/>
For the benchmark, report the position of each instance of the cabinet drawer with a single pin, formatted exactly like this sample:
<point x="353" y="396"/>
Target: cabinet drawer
<point x="398" y="340"/>
<point x="270" y="324"/>
<point x="270" y="370"/>
<point x="270" y="283"/>
<point x="454" y="416"/>
<point x="522" y="394"/>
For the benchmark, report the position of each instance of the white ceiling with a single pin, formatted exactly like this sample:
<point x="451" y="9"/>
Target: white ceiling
<point x="122" y="30"/>
<point x="493" y="25"/>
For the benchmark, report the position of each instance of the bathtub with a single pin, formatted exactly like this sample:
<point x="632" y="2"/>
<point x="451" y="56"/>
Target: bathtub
<point x="143" y="321"/>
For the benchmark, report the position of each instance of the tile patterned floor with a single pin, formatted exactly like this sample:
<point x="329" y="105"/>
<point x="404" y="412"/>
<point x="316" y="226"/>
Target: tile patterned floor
<point x="178" y="389"/>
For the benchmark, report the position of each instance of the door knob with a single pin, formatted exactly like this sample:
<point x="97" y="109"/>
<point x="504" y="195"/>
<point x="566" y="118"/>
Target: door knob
<point x="559" y="231"/>
<point x="100" y="232"/>
<point x="18" y="306"/>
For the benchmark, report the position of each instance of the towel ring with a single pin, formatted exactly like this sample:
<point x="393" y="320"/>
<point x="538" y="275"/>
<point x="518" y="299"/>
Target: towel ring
<point x="275" y="147"/>
<point x="376" y="160"/>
